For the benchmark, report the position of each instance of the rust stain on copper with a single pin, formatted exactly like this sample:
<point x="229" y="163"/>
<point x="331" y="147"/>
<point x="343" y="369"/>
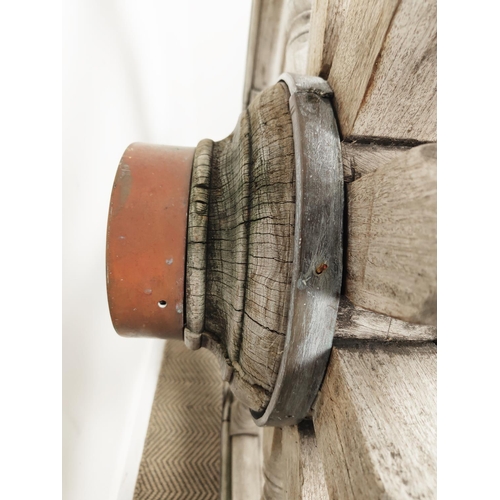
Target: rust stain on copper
<point x="321" y="268"/>
<point x="146" y="243"/>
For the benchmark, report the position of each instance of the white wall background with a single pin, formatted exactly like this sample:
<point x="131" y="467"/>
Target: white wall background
<point x="156" y="71"/>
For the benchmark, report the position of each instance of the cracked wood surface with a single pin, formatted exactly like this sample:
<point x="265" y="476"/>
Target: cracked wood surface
<point x="375" y="421"/>
<point x="249" y="220"/>
<point x="248" y="247"/>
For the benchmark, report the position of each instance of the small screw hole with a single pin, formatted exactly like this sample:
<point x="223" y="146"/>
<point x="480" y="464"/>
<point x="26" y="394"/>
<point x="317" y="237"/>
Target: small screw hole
<point x="162" y="304"/>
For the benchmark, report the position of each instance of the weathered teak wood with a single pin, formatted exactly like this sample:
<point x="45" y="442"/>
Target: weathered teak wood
<point x="359" y="159"/>
<point x="240" y="247"/>
<point x="350" y="34"/>
<point x="262" y="43"/>
<point x="293" y="469"/>
<point x="379" y="56"/>
<point x="391" y="238"/>
<point x="354" y="322"/>
<point x="380" y="59"/>
<point x="375" y="416"/>
<point x="274" y="465"/>
<point x="278" y="43"/>
<point x="305" y="478"/>
<point x="400" y="100"/>
<point x="375" y="422"/>
<point x="245" y="454"/>
<point x="293" y="37"/>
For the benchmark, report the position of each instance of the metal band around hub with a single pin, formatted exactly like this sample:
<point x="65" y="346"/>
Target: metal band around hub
<point x="317" y="264"/>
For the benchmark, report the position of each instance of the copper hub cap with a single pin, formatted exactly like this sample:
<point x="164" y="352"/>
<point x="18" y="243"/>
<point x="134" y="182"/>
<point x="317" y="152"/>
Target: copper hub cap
<point x="146" y="241"/>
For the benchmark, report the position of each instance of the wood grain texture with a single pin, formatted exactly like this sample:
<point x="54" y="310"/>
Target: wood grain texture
<point x="278" y="42"/>
<point x="274" y="465"/>
<point x="379" y="57"/>
<point x="197" y="243"/>
<point x="359" y="159"/>
<point x="305" y="478"/>
<point x="375" y="422"/>
<point x="246" y="274"/>
<point x="391" y="238"/>
<point x="263" y="41"/>
<point x="317" y="60"/>
<point x="359" y="29"/>
<point x="293" y="38"/>
<point x="400" y="101"/>
<point x="354" y="322"/>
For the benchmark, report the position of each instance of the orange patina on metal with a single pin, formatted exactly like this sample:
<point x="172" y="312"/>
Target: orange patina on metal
<point x="146" y="241"/>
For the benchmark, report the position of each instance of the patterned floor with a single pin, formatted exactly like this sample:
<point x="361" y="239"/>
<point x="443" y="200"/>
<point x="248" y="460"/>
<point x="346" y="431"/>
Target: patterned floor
<point x="181" y="458"/>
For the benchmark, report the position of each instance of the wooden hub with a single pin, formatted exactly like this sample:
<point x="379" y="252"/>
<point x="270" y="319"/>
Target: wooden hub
<point x="247" y="234"/>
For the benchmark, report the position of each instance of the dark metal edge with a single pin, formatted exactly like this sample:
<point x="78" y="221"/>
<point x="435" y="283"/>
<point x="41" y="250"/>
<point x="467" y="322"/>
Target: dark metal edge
<point x="317" y="241"/>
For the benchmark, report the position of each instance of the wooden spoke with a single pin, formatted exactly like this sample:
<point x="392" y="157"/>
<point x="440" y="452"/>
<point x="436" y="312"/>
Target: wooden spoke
<point x="375" y="421"/>
<point x="379" y="57"/>
<point x="359" y="159"/>
<point x="354" y="322"/>
<point x="304" y="469"/>
<point x="245" y="454"/>
<point x="352" y="36"/>
<point x="274" y="465"/>
<point x="391" y="238"/>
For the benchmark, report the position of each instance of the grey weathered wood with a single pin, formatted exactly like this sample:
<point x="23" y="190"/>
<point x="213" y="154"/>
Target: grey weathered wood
<point x="263" y="41"/>
<point x="305" y="478"/>
<point x="246" y="471"/>
<point x="293" y="37"/>
<point x="274" y="465"/>
<point x="272" y="216"/>
<point x="317" y="244"/>
<point x="245" y="466"/>
<point x="375" y="422"/>
<point x="359" y="159"/>
<point x="380" y="58"/>
<point x="354" y="322"/>
<point x="323" y="35"/>
<point x="391" y="238"/>
<point x="401" y="99"/>
<point x="359" y="28"/>
<point x="241" y="274"/>
<point x="278" y="43"/>
<point x="196" y="243"/>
